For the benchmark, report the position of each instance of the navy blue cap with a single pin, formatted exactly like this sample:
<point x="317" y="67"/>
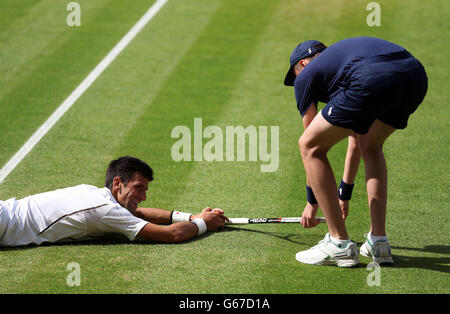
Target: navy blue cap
<point x="304" y="50"/>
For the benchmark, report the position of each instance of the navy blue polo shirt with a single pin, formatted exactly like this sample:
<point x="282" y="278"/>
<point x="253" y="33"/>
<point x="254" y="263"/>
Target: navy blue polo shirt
<point x="323" y="76"/>
<point x="362" y="78"/>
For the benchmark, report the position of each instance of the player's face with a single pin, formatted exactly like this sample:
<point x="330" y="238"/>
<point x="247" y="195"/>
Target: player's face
<point x="130" y="195"/>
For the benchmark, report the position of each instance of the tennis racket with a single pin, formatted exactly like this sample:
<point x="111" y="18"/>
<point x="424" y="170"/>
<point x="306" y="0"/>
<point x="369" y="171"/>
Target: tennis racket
<point x="246" y="221"/>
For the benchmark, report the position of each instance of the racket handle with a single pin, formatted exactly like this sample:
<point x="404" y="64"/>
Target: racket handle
<point x="237" y="221"/>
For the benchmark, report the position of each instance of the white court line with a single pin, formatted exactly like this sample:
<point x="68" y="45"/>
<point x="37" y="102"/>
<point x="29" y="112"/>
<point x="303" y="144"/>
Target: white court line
<point x="59" y="112"/>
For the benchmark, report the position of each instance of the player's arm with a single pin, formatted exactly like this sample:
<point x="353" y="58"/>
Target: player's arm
<point x="174" y="233"/>
<point x="164" y="217"/>
<point x="207" y="220"/>
<point x="154" y="215"/>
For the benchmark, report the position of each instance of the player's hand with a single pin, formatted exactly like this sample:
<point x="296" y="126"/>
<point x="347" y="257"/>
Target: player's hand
<point x="344" y="205"/>
<point x="309" y="216"/>
<point x="214" y="218"/>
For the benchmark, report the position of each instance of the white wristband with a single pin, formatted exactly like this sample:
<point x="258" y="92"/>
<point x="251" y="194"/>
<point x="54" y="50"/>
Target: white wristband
<point x="201" y="225"/>
<point x="180" y="216"/>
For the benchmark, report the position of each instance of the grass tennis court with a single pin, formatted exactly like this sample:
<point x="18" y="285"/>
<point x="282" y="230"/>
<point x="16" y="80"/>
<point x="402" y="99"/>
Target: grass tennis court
<point x="223" y="61"/>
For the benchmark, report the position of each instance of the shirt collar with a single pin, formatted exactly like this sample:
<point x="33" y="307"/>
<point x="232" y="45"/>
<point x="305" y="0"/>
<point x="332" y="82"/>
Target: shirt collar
<point x="107" y="193"/>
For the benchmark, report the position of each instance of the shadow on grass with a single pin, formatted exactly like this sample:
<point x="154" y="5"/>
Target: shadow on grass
<point x="112" y="239"/>
<point x="424" y="262"/>
<point x="290" y="237"/>
<point x="440" y="264"/>
<point x="118" y="239"/>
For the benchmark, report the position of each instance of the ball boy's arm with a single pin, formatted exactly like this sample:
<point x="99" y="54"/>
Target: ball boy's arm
<point x="309" y="115"/>
<point x="352" y="160"/>
<point x="307" y="118"/>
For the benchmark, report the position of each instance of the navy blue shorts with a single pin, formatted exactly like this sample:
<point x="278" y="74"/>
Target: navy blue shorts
<point x="385" y="87"/>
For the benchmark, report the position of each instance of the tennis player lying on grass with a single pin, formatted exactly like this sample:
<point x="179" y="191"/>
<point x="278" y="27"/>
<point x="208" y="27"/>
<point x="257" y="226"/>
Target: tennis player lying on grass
<point x="86" y="212"/>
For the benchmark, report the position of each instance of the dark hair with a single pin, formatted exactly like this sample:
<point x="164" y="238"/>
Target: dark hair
<point x="125" y="168"/>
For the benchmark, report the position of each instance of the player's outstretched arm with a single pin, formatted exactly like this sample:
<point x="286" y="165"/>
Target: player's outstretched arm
<point x="207" y="220"/>
<point x="154" y="215"/>
<point x="164" y="217"/>
<point x="174" y="233"/>
<point x="215" y="218"/>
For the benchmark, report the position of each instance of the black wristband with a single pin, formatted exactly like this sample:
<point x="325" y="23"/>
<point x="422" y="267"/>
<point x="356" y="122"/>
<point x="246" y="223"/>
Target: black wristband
<point x="345" y="191"/>
<point x="310" y="196"/>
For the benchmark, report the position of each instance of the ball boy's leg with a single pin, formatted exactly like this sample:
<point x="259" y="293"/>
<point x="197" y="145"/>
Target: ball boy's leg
<point x="314" y="144"/>
<point x="371" y="146"/>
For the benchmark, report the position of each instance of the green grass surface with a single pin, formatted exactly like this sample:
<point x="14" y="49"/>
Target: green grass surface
<point x="222" y="61"/>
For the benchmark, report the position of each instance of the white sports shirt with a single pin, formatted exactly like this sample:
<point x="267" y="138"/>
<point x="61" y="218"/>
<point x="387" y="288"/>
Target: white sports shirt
<point x="76" y="213"/>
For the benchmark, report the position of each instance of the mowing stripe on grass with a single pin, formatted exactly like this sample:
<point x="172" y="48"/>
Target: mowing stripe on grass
<point x="83" y="138"/>
<point x="81" y="144"/>
<point x="62" y="109"/>
<point x="200" y="87"/>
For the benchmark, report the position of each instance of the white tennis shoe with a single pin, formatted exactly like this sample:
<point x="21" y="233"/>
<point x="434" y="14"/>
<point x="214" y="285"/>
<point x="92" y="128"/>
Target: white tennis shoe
<point x="379" y="251"/>
<point x="328" y="253"/>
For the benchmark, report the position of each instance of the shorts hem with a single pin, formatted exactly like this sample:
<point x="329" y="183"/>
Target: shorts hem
<point x="343" y="125"/>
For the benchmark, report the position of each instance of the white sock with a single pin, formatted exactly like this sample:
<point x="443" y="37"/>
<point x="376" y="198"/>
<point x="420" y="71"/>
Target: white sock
<point x="373" y="238"/>
<point x="338" y="242"/>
